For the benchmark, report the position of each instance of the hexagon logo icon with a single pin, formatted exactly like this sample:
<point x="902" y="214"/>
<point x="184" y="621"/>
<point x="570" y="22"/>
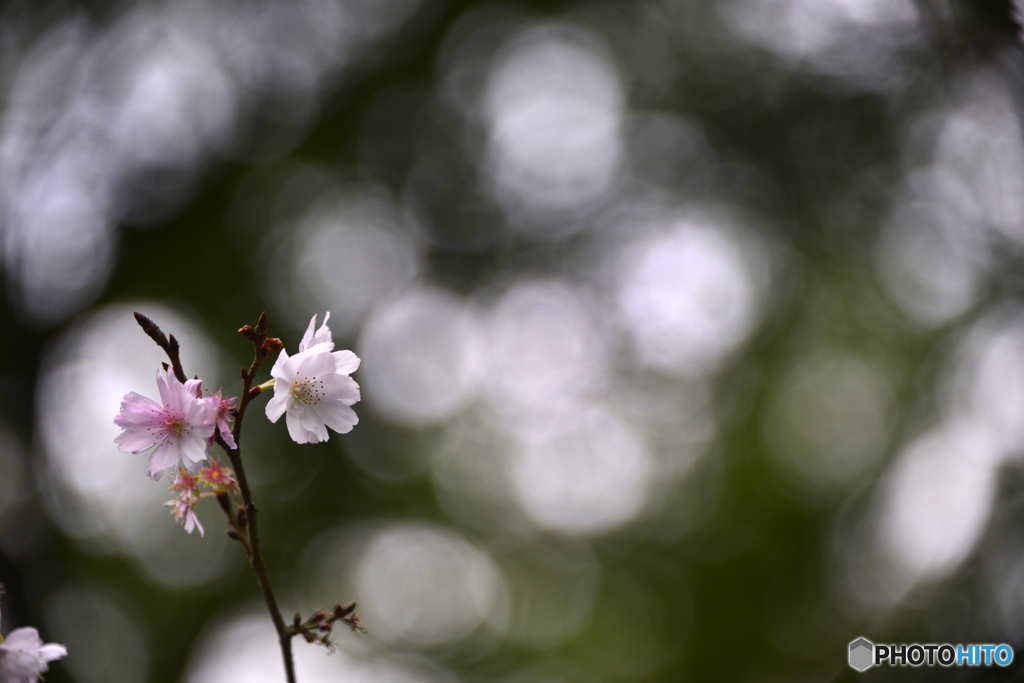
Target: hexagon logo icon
<point x="862" y="654"/>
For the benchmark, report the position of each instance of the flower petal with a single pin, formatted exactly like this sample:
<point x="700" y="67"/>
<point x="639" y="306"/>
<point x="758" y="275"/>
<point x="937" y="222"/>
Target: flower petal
<point x="285" y="367"/>
<point x="193" y="449"/>
<point x="345" y="362"/>
<point x="340" y="387"/>
<point x="52" y="651"/>
<point x="194" y="387"/>
<point x="295" y="428"/>
<point x="225" y="433"/>
<point x="137" y="409"/>
<point x="277" y="405"/>
<point x="316" y="364"/>
<point x="337" y="416"/>
<point x="314" y="425"/>
<point x="161" y="385"/>
<point x="164" y="458"/>
<point x="136" y="440"/>
<point x="322" y="336"/>
<point x="24" y="638"/>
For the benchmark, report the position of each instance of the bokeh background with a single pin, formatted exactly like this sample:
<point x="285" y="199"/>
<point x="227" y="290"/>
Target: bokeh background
<point x="692" y="332"/>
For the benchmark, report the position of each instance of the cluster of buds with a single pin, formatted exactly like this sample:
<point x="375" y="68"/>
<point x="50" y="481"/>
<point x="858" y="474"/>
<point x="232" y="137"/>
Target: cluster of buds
<point x="317" y="629"/>
<point x="217" y="480"/>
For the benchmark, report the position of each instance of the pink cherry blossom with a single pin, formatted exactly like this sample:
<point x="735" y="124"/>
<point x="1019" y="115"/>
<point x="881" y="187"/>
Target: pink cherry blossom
<point x="180" y="428"/>
<point x="218" y="478"/>
<point x="221" y="408"/>
<point x="314" y="388"/>
<point x="182" y="510"/>
<point x="24" y="656"/>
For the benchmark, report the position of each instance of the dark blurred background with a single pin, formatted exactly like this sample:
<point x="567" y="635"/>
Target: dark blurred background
<point x="692" y="332"/>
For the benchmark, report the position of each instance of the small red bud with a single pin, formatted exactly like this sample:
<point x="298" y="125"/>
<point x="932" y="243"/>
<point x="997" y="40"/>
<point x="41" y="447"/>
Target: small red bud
<point x="249" y="333"/>
<point x="273" y="345"/>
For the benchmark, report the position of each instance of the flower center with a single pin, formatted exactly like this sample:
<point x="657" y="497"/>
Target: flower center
<point x="307" y="391"/>
<point x="176" y="426"/>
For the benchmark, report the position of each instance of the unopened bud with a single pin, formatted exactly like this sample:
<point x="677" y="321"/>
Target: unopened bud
<point x="234" y="534"/>
<point x="298" y="619"/>
<point x="261" y="326"/>
<point x="273" y="345"/>
<point x="245" y="374"/>
<point x="242" y="517"/>
<point x="344" y="610"/>
<point x="249" y="333"/>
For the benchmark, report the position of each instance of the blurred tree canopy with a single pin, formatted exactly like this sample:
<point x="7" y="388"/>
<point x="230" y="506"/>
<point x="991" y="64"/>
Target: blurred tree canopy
<point x="692" y="332"/>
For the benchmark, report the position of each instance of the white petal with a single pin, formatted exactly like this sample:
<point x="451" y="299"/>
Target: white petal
<point x="316" y="364"/>
<point x="307" y="338"/>
<point x="338" y="417"/>
<point x="52" y="651"/>
<point x="314" y="425"/>
<point x="284" y="368"/>
<point x="345" y="362"/>
<point x="341" y="387"/>
<point x="295" y="428"/>
<point x="277" y="405"/>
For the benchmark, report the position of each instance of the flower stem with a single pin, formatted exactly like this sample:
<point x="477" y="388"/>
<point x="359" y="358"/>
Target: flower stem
<point x="252" y="546"/>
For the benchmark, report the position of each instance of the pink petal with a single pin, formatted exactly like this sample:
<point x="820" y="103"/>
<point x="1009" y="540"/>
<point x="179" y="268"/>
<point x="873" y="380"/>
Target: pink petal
<point x="164" y="458"/>
<point x="194" y="387"/>
<point x="193" y="449"/>
<point x="225" y="433"/>
<point x="137" y="409"/>
<point x="136" y="440"/>
<point x="166" y="398"/>
<point x="181" y="398"/>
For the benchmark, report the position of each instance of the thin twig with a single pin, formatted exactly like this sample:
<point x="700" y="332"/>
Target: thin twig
<point x="170" y="346"/>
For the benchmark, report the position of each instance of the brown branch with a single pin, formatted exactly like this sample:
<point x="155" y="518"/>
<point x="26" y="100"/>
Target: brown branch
<point x="317" y="629"/>
<point x="251" y="539"/>
<point x="170" y="346"/>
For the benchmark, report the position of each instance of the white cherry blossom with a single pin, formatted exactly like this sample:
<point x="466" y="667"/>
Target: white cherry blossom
<point x="313" y="388"/>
